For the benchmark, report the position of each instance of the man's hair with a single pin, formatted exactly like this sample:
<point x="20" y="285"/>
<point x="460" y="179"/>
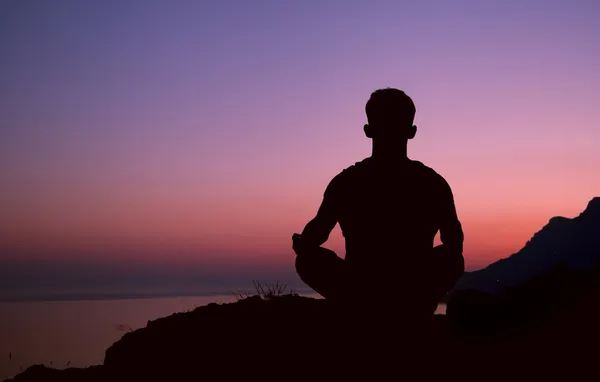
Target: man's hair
<point x="390" y="105"/>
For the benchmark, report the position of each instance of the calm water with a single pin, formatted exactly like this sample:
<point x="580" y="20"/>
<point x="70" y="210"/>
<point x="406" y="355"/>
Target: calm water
<point x="78" y="332"/>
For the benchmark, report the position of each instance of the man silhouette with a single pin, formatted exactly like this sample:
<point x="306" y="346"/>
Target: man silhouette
<point x="390" y="209"/>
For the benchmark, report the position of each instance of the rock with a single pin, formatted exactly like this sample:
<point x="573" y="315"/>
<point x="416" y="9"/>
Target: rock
<point x="256" y="336"/>
<point x="43" y="373"/>
<point x="522" y="330"/>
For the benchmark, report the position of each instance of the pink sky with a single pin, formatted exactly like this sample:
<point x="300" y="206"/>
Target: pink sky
<point x="209" y="133"/>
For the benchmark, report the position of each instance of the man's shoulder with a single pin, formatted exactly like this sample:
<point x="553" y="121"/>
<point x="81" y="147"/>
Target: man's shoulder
<point x="353" y="172"/>
<point x="427" y="170"/>
<point x="348" y="175"/>
<point x="368" y="164"/>
<point x="357" y="167"/>
<point x="356" y="171"/>
<point x="436" y="179"/>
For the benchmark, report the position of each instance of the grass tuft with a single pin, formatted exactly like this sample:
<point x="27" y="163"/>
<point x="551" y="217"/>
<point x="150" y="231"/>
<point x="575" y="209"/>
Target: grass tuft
<point x="266" y="291"/>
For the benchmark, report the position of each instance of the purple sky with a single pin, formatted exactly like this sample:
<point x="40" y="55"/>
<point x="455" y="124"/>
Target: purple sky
<point x="204" y="133"/>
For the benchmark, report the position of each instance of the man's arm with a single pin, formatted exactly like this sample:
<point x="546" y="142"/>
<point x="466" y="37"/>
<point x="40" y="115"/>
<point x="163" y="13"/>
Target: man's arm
<point x="317" y="231"/>
<point x="451" y="233"/>
<point x="450" y="260"/>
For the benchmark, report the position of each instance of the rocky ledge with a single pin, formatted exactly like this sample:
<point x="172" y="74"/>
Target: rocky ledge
<point x="546" y="328"/>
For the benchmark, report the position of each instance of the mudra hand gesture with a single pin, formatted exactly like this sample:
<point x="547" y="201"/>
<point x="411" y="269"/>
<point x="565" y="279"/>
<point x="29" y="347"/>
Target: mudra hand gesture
<point x="297" y="243"/>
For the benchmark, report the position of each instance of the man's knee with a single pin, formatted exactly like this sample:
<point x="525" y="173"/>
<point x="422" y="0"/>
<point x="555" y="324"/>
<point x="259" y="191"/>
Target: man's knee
<point x="303" y="267"/>
<point x="308" y="264"/>
<point x="320" y="268"/>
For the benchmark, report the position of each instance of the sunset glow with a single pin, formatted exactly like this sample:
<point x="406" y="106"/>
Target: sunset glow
<point x="205" y="133"/>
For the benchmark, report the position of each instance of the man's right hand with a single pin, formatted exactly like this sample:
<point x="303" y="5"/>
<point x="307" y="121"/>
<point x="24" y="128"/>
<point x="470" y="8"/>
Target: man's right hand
<point x="297" y="243"/>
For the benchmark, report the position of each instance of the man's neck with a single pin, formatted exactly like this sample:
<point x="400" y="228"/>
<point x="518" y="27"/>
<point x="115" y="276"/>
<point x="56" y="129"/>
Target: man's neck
<point x="398" y="154"/>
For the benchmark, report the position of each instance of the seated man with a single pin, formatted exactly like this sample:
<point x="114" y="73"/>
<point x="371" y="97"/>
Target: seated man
<point x="389" y="208"/>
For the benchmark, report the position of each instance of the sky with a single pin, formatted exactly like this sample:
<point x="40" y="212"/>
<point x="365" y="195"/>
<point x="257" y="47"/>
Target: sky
<point x="174" y="138"/>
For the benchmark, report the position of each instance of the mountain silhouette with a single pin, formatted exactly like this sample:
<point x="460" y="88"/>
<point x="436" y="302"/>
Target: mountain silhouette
<point x="574" y="242"/>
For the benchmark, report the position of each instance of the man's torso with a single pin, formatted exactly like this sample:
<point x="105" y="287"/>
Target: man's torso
<point x="388" y="213"/>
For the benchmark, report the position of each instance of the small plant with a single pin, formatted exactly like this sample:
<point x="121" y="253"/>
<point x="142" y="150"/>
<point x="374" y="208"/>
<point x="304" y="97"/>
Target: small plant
<point x="123" y="328"/>
<point x="266" y="291"/>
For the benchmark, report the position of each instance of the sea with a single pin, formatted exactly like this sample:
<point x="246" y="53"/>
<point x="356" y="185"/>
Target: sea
<point x="76" y="331"/>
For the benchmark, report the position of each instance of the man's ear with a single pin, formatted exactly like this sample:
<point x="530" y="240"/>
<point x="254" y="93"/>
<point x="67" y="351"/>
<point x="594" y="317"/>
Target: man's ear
<point x="412" y="132"/>
<point x="368" y="131"/>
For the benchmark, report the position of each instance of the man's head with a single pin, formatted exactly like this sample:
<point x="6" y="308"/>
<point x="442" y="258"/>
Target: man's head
<point x="390" y="115"/>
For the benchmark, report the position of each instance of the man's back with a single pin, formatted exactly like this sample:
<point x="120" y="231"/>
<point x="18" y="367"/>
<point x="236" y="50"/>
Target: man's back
<point x="389" y="209"/>
<point x="389" y="213"/>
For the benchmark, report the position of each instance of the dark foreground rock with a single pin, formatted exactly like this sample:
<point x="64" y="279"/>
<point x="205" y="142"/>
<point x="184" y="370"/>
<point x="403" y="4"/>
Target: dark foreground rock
<point x="282" y="338"/>
<point x="43" y="373"/>
<point x="548" y="328"/>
